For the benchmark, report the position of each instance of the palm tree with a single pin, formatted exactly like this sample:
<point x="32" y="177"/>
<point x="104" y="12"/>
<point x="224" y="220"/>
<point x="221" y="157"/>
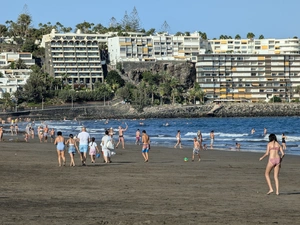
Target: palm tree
<point x="250" y="35"/>
<point x="261" y="37"/>
<point x="24" y="21"/>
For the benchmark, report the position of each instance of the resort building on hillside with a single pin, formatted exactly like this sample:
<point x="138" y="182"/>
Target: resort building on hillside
<point x="156" y="48"/>
<point x="248" y="77"/>
<point x="6" y="58"/>
<point x="76" y="56"/>
<point x="254" y="46"/>
<point x="11" y="80"/>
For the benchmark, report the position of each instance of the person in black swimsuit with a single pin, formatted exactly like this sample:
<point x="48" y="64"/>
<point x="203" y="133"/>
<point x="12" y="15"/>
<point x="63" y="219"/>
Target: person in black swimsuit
<point x="283" y="142"/>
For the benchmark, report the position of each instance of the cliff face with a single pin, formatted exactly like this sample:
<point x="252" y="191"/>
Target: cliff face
<point x="184" y="71"/>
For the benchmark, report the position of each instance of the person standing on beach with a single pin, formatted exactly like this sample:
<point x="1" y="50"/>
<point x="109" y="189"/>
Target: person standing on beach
<point x="16" y="129"/>
<point x="72" y="147"/>
<point x="146" y="146"/>
<point x="212" y="139"/>
<point x="178" y="138"/>
<point x="84" y="139"/>
<point x="196" y="149"/>
<point x="46" y="130"/>
<point x="105" y="151"/>
<point x="60" y="147"/>
<point x="121" y="136"/>
<point x="199" y="136"/>
<point x="137" y="137"/>
<point x="274" y="162"/>
<point x="52" y="135"/>
<point x="1" y="133"/>
<point x="283" y="141"/>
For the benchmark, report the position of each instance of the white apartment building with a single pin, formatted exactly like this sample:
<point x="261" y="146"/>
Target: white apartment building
<point x="79" y="57"/>
<point x="251" y="77"/>
<point x="6" y="58"/>
<point x="156" y="48"/>
<point x="11" y="80"/>
<point x="254" y="46"/>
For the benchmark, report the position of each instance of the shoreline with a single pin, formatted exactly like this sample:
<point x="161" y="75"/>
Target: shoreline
<point x="125" y="111"/>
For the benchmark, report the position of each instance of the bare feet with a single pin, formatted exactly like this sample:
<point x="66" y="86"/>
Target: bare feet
<point x="277" y="193"/>
<point x="270" y="192"/>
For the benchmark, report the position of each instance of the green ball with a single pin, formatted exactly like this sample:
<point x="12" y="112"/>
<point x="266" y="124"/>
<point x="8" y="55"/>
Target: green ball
<point x="186" y="159"/>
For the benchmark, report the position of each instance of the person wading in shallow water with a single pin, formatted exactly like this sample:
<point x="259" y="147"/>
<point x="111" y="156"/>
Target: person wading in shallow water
<point x="178" y="138"/>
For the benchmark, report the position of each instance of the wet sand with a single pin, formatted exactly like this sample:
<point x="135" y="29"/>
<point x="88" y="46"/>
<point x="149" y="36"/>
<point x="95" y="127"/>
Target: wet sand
<point x="226" y="187"/>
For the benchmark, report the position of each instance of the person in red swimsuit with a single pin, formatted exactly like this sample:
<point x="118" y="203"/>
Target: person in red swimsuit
<point x="275" y="159"/>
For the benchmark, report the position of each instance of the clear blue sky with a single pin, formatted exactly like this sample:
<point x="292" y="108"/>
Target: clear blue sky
<point x="272" y="18"/>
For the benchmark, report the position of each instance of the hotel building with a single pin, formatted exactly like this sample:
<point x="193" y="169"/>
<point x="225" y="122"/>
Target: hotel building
<point x="250" y="77"/>
<point x="76" y="56"/>
<point x="156" y="48"/>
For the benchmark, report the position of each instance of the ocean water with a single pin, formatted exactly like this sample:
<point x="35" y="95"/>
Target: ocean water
<point x="228" y="131"/>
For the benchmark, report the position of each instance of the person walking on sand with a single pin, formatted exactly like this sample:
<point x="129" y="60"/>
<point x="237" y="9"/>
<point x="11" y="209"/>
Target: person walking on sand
<point x="178" y="138"/>
<point x="1" y="133"/>
<point x="146" y="146"/>
<point x="46" y="130"/>
<point x="274" y="162"/>
<point x="283" y="141"/>
<point x="121" y="136"/>
<point x="71" y="142"/>
<point x="92" y="149"/>
<point x="212" y="139"/>
<point x="52" y="135"/>
<point x="196" y="149"/>
<point x="84" y="139"/>
<point x="200" y="139"/>
<point x="137" y="137"/>
<point x="60" y="148"/>
<point x="105" y="151"/>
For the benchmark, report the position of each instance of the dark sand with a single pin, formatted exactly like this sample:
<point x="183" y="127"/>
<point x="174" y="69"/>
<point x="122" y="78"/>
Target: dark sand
<point x="224" y="188"/>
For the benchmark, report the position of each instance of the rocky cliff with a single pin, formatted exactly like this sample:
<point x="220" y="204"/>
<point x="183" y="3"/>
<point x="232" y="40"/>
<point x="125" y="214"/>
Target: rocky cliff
<point x="184" y="71"/>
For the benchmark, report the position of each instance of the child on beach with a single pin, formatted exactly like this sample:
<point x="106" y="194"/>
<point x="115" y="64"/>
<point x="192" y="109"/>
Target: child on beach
<point x="92" y="150"/>
<point x="71" y="142"/>
<point x="196" y="149"/>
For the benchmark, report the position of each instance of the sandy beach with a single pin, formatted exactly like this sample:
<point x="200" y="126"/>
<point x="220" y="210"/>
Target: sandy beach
<point x="225" y="187"/>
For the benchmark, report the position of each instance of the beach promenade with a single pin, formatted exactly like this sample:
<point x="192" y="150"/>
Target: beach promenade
<point x="226" y="187"/>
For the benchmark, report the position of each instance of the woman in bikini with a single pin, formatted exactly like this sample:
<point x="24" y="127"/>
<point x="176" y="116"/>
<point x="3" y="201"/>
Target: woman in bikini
<point x="275" y="159"/>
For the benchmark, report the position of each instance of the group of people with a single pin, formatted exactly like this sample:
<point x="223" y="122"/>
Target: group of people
<point x="88" y="144"/>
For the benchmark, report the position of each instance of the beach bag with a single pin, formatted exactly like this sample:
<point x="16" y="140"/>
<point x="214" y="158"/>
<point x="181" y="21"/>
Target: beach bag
<point x="110" y="145"/>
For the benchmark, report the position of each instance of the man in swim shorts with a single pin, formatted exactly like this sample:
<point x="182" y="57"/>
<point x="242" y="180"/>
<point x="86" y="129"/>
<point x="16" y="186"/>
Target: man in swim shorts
<point x="146" y="146"/>
<point x="196" y="149"/>
<point x="84" y="139"/>
<point x="121" y="136"/>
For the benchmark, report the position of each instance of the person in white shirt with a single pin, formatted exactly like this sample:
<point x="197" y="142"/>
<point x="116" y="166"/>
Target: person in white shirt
<point x="84" y="139"/>
<point x="105" y="151"/>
